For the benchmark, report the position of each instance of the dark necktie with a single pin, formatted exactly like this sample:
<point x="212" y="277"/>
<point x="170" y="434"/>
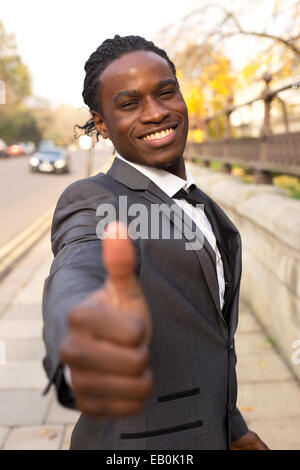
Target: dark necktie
<point x="188" y="196"/>
<point x="183" y="194"/>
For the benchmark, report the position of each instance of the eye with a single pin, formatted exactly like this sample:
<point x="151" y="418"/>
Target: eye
<point x="129" y="105"/>
<point x="167" y="93"/>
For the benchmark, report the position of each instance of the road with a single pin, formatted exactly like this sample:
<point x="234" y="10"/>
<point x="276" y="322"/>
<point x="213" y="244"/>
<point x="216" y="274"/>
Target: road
<point x="25" y="196"/>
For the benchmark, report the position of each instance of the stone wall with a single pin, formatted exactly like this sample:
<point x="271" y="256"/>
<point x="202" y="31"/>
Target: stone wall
<point x="269" y="223"/>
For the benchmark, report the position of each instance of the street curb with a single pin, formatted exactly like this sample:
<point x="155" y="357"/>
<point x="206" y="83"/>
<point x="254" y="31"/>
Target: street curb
<point x="18" y="246"/>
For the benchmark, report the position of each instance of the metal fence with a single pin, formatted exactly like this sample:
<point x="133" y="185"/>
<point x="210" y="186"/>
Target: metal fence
<point x="267" y="154"/>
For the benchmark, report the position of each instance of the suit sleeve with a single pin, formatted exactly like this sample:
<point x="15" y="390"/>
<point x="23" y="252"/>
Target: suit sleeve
<point x="238" y="425"/>
<point x="76" y="271"/>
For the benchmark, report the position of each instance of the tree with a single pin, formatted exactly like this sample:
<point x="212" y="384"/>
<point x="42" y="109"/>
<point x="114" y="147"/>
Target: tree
<point x="17" y="122"/>
<point x="225" y="50"/>
<point x="19" y="126"/>
<point x="13" y="71"/>
<point x="229" y="24"/>
<point x="277" y="21"/>
<point x="209" y="91"/>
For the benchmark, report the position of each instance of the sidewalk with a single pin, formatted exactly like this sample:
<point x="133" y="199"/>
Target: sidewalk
<point x="28" y="420"/>
<point x="269" y="397"/>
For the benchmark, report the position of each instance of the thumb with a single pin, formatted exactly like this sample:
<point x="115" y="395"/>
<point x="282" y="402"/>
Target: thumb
<point x="119" y="261"/>
<point x="122" y="286"/>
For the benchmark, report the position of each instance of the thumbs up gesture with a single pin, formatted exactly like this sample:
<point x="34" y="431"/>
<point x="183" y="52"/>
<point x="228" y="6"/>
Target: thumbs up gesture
<point x="106" y="347"/>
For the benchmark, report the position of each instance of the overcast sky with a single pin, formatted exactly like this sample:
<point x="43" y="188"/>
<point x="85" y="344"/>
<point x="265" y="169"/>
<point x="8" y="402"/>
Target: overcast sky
<point x="56" y="37"/>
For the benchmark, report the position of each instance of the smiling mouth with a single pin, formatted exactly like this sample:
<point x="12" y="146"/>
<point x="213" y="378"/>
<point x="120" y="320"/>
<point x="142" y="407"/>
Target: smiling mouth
<point x="159" y="136"/>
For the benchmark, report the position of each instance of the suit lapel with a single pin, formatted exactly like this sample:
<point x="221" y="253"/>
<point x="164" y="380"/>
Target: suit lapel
<point x="132" y="178"/>
<point x="221" y="224"/>
<point x="128" y="175"/>
<point x="228" y="238"/>
<point x="205" y="255"/>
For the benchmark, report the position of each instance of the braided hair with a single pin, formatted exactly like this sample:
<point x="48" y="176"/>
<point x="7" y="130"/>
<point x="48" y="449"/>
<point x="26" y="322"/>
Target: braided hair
<point x="107" y="52"/>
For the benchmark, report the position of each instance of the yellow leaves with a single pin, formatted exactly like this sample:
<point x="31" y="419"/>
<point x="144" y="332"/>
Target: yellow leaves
<point x="289" y="183"/>
<point x="220" y="86"/>
<point x="196" y="135"/>
<point x="262" y="364"/>
<point x="179" y="75"/>
<point x="277" y="59"/>
<point x="219" y="78"/>
<point x="287" y="64"/>
<point x="208" y="93"/>
<point x="194" y="100"/>
<point x="237" y="171"/>
<point x="249" y="72"/>
<point x="246" y="408"/>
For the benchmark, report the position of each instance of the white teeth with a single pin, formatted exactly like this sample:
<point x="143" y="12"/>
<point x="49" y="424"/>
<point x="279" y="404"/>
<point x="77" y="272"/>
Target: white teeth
<point x="159" y="135"/>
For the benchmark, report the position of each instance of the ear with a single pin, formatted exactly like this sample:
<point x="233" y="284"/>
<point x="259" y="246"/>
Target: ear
<point x="100" y="125"/>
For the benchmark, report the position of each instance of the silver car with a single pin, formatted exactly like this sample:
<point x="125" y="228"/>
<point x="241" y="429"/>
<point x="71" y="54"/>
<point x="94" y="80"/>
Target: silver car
<point x="50" y="160"/>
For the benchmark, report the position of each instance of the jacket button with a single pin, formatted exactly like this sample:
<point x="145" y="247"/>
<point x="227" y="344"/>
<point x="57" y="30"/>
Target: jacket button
<point x="232" y="407"/>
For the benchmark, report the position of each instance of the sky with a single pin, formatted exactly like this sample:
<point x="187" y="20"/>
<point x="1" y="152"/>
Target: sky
<point x="55" y="38"/>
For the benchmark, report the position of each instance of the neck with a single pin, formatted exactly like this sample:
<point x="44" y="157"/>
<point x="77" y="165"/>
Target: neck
<point x="177" y="168"/>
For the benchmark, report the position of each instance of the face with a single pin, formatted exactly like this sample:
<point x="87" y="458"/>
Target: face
<point x="144" y="113"/>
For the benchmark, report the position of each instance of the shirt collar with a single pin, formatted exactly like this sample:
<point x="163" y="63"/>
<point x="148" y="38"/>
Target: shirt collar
<point x="166" y="181"/>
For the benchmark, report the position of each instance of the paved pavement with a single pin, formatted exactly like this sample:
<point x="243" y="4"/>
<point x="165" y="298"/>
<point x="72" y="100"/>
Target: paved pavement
<point x="269" y="397"/>
<point x="28" y="420"/>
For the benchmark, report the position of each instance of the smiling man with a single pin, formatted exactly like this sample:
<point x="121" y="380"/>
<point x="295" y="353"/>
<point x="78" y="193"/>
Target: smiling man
<point x="140" y="334"/>
<point x="145" y="115"/>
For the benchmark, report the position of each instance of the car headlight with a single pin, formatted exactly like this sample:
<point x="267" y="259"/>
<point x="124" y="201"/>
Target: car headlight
<point x="59" y="164"/>
<point x="34" y="161"/>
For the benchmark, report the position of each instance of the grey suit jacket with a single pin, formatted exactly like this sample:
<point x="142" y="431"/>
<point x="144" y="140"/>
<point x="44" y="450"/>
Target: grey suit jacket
<point x="193" y="403"/>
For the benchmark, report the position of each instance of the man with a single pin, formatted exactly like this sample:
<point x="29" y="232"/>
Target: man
<point x="139" y="334"/>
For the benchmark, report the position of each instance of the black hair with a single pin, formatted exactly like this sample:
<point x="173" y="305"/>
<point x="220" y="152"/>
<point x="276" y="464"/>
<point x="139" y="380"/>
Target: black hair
<point x="107" y="52"/>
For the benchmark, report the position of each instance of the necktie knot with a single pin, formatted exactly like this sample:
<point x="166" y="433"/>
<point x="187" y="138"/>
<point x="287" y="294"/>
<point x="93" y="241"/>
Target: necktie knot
<point x="183" y="194"/>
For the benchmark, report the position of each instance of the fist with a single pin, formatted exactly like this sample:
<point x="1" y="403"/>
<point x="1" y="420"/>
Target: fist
<point x="106" y="347"/>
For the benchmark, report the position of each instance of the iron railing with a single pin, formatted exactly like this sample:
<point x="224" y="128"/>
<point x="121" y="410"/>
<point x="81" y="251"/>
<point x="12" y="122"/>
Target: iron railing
<point x="266" y="154"/>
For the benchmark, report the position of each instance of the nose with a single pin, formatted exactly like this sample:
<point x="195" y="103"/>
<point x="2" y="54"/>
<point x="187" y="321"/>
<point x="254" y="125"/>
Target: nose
<point x="153" y="111"/>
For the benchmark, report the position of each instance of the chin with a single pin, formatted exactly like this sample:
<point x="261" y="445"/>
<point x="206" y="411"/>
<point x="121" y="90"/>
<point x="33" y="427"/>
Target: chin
<point x="167" y="162"/>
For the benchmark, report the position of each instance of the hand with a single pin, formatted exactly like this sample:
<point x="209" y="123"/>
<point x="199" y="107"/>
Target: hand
<point x="249" y="441"/>
<point x="106" y="347"/>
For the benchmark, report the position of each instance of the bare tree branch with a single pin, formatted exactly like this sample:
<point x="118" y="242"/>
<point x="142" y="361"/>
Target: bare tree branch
<point x="286" y="42"/>
<point x="229" y="15"/>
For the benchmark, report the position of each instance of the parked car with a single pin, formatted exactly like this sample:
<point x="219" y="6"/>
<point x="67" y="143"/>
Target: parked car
<point x="14" y="150"/>
<point x="46" y="144"/>
<point x="2" y="148"/>
<point x="29" y="147"/>
<point x="50" y="160"/>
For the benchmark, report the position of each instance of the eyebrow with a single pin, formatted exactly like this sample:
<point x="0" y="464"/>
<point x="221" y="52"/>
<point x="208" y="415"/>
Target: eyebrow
<point x="161" y="84"/>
